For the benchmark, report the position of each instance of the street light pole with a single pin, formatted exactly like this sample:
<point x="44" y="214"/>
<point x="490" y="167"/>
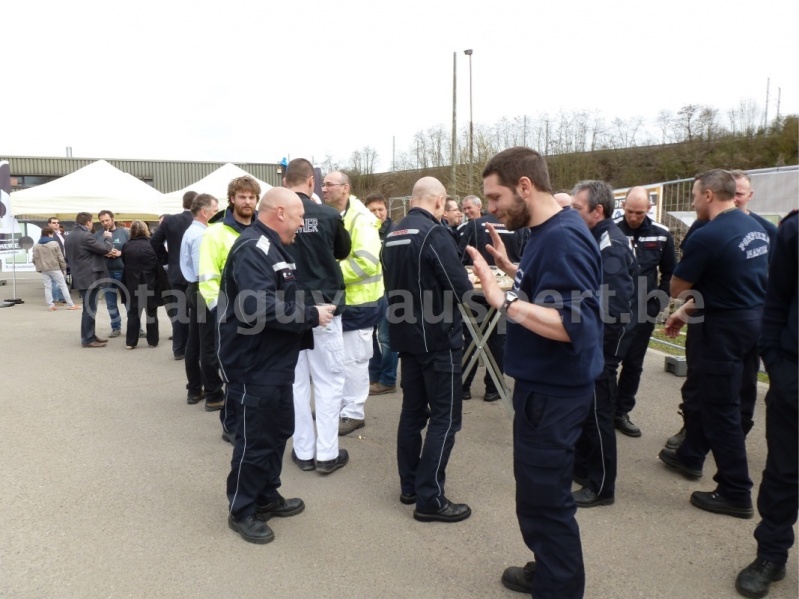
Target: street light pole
<point x="471" y="126"/>
<point x="454" y="119"/>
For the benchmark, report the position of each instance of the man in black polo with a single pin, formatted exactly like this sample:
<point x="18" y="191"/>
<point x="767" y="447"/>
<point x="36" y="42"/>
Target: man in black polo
<point x="166" y="242"/>
<point x="654" y="250"/>
<point x="723" y="273"/>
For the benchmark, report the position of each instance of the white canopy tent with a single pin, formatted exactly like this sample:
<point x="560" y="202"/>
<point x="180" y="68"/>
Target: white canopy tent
<point x="216" y="184"/>
<point x="97" y="186"/>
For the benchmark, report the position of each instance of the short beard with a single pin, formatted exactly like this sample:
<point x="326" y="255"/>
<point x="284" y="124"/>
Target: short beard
<point x="518" y="216"/>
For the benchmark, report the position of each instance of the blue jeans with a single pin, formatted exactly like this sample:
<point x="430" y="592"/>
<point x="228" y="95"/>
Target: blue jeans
<point x="110" y="294"/>
<point x="383" y="364"/>
<point x="57" y="295"/>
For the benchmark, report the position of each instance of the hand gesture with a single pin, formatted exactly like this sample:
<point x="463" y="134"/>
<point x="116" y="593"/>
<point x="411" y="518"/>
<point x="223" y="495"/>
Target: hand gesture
<point x="493" y="294"/>
<point x="326" y="313"/>
<point x="497" y="249"/>
<point x="107" y="234"/>
<point x="674" y="323"/>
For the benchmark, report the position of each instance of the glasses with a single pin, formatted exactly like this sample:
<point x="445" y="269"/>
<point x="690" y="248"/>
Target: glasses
<point x="332" y="184"/>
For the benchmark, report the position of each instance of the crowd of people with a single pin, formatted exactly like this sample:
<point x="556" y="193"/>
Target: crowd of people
<point x="289" y="312"/>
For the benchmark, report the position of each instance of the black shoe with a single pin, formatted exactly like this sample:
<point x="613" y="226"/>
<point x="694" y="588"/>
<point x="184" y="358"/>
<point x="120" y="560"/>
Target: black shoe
<point x="754" y="580"/>
<point x="179" y="356"/>
<point x="669" y="457"/>
<point x="625" y="427"/>
<point x="328" y="466"/>
<point x="195" y="398"/>
<point x="585" y="497"/>
<point x="675" y="441"/>
<point x="452" y="512"/>
<point x="252" y="530"/>
<point x="466" y="394"/>
<point x="491" y="396"/>
<point x="280" y="508"/>
<point x="519" y="579"/>
<point x="142" y="334"/>
<point x="214" y="405"/>
<point x="408" y="499"/>
<point x="229" y="437"/>
<point x="580" y="480"/>
<point x="713" y="502"/>
<point x="304" y="465"/>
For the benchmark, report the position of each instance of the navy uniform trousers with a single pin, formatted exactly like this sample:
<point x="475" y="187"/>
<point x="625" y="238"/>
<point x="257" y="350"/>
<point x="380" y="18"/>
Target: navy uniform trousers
<point x="431" y="396"/>
<point x="265" y="423"/>
<point x="778" y="499"/>
<point x="596" y="456"/>
<point x="632" y="366"/>
<point x="545" y="430"/>
<point x="715" y="351"/>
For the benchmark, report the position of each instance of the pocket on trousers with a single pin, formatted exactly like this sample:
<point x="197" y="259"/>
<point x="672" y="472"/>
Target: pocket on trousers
<point x="362" y="345"/>
<point x="542" y="476"/>
<point x="332" y="344"/>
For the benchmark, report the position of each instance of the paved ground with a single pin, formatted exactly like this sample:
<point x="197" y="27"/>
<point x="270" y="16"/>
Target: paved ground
<point x="113" y="487"/>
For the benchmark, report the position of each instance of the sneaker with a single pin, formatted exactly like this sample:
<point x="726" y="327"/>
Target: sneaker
<point x="194" y="398"/>
<point x="329" y="466"/>
<point x="347" y="425"/>
<point x="381" y="389"/>
<point x="142" y="334"/>
<point x="491" y="396"/>
<point x="754" y="580"/>
<point x="252" y="529"/>
<point x="130" y="347"/>
<point x="115" y="333"/>
<point x="519" y="579"/>
<point x="713" y="502"/>
<point x="625" y="426"/>
<point x="466" y="394"/>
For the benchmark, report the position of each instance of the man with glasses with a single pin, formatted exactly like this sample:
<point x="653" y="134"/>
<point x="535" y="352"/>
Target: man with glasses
<point x="363" y="279"/>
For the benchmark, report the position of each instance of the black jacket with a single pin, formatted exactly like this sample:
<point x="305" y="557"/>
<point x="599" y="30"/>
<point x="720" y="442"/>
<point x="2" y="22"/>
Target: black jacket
<point x="474" y="233"/>
<point x="619" y="276"/>
<point x="319" y="244"/>
<point x="263" y="319"/>
<point x="425" y="282"/>
<point x="142" y="273"/>
<point x="170" y="232"/>
<point x="654" y="250"/>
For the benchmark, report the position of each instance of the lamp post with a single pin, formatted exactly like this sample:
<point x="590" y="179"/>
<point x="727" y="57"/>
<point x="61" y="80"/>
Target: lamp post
<point x="471" y="125"/>
<point x="454" y="119"/>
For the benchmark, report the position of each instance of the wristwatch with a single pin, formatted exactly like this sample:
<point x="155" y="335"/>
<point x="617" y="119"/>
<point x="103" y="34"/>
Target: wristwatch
<point x="510" y="297"/>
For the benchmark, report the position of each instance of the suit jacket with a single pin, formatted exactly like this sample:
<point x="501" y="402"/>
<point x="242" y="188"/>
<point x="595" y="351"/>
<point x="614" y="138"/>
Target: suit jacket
<point x="86" y="257"/>
<point x="170" y="232"/>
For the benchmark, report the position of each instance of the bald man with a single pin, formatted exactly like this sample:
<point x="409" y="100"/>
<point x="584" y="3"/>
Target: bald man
<point x="425" y="282"/>
<point x="654" y="250"/>
<point x="264" y="324"/>
<point x="563" y="198"/>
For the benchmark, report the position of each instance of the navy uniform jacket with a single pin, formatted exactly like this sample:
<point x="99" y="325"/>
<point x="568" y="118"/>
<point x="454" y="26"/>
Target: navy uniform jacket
<point x="475" y="233"/>
<point x="619" y="274"/>
<point x="265" y="322"/>
<point x="170" y="232"/>
<point x="425" y="282"/>
<point x="654" y="250"/>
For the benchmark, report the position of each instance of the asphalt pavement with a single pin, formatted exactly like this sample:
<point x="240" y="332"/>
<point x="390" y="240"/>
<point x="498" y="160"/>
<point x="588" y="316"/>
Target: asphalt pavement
<point x="112" y="486"/>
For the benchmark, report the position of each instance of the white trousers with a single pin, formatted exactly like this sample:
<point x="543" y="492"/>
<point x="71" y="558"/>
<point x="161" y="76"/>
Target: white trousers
<point x="358" y="351"/>
<point x="58" y="277"/>
<point x="324" y="364"/>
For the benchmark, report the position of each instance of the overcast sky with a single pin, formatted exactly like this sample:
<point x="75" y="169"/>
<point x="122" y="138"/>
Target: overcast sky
<point x="253" y="81"/>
